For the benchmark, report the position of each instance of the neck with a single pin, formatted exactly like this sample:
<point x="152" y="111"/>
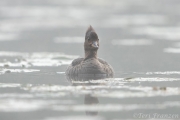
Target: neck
<point x="90" y="54"/>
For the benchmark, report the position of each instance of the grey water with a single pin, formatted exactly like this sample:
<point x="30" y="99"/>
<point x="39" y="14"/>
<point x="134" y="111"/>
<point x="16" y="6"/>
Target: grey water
<point x="139" y="38"/>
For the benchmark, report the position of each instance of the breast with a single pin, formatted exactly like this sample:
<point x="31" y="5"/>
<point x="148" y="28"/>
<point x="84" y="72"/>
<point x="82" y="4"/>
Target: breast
<point x="92" y="66"/>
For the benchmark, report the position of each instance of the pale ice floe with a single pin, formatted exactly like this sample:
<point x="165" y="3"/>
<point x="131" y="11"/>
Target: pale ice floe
<point x="114" y="90"/>
<point x="164" y="73"/>
<point x="154" y="79"/>
<point x="116" y="107"/>
<point x="10" y="85"/>
<point x="2" y="71"/>
<point x="172" y="50"/>
<point x="36" y="59"/>
<point x="34" y="95"/>
<point x="132" y="42"/>
<point x="163" y="33"/>
<point x="8" y="37"/>
<point x="26" y="105"/>
<point x="20" y="105"/>
<point x="69" y="40"/>
<point x="76" y="117"/>
<point x="134" y="20"/>
<point x="60" y="72"/>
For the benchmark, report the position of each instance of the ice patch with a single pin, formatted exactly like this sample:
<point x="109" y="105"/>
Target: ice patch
<point x="69" y="40"/>
<point x="132" y="42"/>
<point x="36" y="59"/>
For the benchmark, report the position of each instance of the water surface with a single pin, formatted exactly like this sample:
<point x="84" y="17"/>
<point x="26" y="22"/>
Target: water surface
<point x="139" y="38"/>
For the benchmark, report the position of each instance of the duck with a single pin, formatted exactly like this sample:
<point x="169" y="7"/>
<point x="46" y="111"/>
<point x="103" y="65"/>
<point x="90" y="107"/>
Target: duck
<point x="90" y="65"/>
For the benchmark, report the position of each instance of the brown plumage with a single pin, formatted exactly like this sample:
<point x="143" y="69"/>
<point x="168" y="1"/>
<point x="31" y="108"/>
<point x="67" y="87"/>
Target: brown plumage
<point x="90" y="64"/>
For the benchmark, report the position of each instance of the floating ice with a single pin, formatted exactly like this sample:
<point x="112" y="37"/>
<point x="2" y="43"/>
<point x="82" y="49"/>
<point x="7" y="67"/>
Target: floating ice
<point x="164" y="73"/>
<point x="5" y="85"/>
<point x="17" y="70"/>
<point x="132" y="42"/>
<point x="76" y="118"/>
<point x="8" y="37"/>
<point x="163" y="33"/>
<point x="117" y="107"/>
<point x="36" y="59"/>
<point x="69" y="40"/>
<point x="141" y="19"/>
<point x="172" y="50"/>
<point x="19" y="105"/>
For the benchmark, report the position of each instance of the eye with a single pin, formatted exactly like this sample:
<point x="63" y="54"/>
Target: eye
<point x="88" y="39"/>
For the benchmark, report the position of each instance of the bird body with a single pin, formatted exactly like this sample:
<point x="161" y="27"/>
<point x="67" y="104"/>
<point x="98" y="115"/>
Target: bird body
<point x="90" y="64"/>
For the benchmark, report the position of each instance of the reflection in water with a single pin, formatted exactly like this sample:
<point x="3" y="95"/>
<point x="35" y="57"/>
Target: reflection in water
<point x="90" y="100"/>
